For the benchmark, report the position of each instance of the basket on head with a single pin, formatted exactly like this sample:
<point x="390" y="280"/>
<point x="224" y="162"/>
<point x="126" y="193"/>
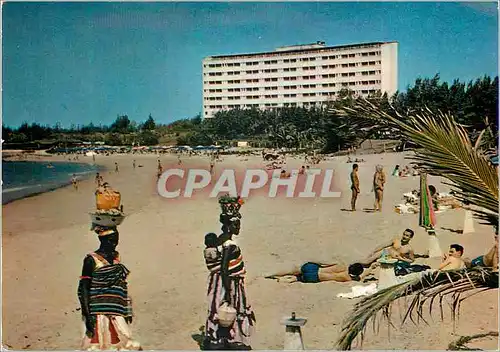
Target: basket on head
<point x="227" y="315"/>
<point x="231" y="205"/>
<point x="107" y="198"/>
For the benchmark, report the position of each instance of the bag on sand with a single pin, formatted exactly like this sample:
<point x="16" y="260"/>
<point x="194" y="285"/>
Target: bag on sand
<point x="227" y="315"/>
<point x="107" y="198"/>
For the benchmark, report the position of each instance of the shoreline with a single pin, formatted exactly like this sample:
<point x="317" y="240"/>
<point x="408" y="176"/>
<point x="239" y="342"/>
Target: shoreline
<point x="19" y="192"/>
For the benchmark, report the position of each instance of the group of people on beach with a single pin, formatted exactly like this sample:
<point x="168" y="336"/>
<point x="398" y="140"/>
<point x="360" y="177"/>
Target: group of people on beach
<point x="379" y="180"/>
<point x="399" y="249"/>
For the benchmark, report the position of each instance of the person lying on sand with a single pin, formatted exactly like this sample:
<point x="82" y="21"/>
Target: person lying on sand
<point x="489" y="260"/>
<point x="311" y="272"/>
<point x="453" y="260"/>
<point x="397" y="249"/>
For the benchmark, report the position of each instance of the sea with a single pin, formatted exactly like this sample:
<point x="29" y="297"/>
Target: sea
<point x="26" y="178"/>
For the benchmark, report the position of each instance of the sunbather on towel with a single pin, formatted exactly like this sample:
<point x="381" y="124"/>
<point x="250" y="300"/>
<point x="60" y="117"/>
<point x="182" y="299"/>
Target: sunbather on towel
<point x="398" y="248"/>
<point x="318" y="272"/>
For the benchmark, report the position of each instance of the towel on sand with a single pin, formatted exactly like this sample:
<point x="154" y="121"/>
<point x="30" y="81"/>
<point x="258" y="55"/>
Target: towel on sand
<point x="358" y="291"/>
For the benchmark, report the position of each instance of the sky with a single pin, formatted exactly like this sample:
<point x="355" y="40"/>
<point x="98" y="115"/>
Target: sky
<point x="76" y="63"/>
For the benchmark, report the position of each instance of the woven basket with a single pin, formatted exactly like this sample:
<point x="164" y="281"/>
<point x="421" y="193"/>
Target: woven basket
<point x="108" y="199"/>
<point x="227" y="315"/>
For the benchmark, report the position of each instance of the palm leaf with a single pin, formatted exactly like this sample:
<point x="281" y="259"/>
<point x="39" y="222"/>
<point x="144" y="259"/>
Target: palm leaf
<point x="460" y="285"/>
<point x="445" y="150"/>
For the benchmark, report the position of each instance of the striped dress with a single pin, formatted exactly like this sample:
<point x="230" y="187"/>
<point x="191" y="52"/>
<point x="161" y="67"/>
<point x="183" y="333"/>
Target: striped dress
<point x="110" y="304"/>
<point x="244" y="324"/>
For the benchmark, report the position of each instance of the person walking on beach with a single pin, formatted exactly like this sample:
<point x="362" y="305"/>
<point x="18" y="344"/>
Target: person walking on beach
<point x="160" y="169"/>
<point x="378" y="187"/>
<point x="98" y="180"/>
<point x="354" y="186"/>
<point x="226" y="285"/>
<point x="116" y="166"/>
<point x="133" y="163"/>
<point x="104" y="299"/>
<point x="74" y="182"/>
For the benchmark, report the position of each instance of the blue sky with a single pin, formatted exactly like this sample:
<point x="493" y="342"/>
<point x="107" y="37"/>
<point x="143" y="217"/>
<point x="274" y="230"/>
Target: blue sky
<point x="76" y="63"/>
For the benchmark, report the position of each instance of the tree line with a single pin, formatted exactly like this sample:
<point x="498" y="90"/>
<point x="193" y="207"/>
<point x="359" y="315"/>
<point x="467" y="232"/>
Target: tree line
<point x="474" y="105"/>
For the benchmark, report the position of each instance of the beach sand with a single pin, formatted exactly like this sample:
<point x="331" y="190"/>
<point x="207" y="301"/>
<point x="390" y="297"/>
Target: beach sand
<point x="46" y="237"/>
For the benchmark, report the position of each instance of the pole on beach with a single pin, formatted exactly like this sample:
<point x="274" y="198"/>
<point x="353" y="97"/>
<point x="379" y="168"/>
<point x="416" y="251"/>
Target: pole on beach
<point x="434" y="247"/>
<point x="468" y="223"/>
<point x="387" y="277"/>
<point x="293" y="334"/>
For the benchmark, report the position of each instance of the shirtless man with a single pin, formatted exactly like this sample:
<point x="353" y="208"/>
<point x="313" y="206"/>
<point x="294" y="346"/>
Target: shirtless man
<point x="311" y="272"/>
<point x="453" y="260"/>
<point x="490" y="259"/>
<point x="354" y="186"/>
<point x="397" y="249"/>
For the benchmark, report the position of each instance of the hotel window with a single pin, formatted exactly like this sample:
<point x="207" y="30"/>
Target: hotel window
<point x="218" y="98"/>
<point x="364" y="54"/>
<point x="290" y="69"/>
<point x="345" y="75"/>
<point x="351" y="74"/>
<point x="352" y="65"/>
<point x="345" y="65"/>
<point x="312" y="59"/>
<point x="352" y="84"/>
<point x="237" y="98"/>
<point x="352" y="55"/>
<point x="345" y="56"/>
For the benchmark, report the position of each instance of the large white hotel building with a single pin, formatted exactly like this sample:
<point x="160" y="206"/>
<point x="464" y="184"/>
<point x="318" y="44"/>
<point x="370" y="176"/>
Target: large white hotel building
<point x="300" y="75"/>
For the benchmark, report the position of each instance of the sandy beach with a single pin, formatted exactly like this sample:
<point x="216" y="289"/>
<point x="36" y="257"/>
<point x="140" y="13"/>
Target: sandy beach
<point x="46" y="237"/>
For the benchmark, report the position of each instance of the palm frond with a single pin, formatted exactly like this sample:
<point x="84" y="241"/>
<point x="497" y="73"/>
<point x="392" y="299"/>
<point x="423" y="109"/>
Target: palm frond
<point x="460" y="285"/>
<point x="445" y="150"/>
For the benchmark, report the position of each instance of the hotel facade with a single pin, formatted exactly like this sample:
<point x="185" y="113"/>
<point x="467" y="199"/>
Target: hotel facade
<point x="300" y="75"/>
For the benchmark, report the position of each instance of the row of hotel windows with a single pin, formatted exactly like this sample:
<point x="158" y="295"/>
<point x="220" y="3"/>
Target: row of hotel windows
<point x="236" y="106"/>
<point x="294" y="95"/>
<point x="304" y="59"/>
<point x="255" y="89"/>
<point x="294" y="69"/>
<point x="275" y="79"/>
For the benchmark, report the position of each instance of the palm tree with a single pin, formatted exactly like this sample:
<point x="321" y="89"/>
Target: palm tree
<point x="430" y="288"/>
<point x="447" y="151"/>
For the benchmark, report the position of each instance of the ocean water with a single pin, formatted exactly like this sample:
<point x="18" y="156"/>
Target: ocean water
<point x="25" y="178"/>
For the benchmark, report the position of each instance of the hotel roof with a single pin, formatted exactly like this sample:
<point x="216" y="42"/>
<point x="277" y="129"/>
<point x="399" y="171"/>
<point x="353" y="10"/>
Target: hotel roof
<point x="280" y="52"/>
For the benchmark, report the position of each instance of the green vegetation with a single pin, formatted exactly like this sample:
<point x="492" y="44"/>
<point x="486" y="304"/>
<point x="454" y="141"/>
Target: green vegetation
<point x="474" y="105"/>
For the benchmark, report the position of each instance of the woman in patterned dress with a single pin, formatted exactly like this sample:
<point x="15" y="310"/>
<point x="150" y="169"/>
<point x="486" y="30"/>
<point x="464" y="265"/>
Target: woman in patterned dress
<point x="226" y="283"/>
<point x="104" y="299"/>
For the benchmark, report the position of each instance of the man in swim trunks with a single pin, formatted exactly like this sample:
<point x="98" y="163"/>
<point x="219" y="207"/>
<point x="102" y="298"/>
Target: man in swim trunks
<point x="318" y="272"/>
<point x="397" y="248"/>
<point x="490" y="259"/>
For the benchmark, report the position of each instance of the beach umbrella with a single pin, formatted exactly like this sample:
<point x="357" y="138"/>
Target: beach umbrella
<point x="427" y="217"/>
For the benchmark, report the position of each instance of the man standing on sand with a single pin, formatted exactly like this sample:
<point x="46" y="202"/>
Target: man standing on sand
<point x="116" y="166"/>
<point x="378" y="187"/>
<point x="133" y="163"/>
<point x="354" y="186"/>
